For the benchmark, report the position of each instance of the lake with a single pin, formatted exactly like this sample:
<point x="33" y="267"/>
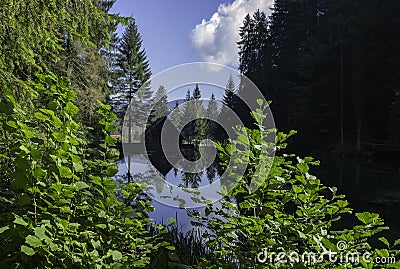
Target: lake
<point x="368" y="186"/>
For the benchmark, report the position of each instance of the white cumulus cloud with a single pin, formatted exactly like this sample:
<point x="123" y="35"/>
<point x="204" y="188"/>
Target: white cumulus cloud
<point x="215" y="39"/>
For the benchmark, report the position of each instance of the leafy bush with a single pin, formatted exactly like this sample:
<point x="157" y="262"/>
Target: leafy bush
<point x="59" y="202"/>
<point x="291" y="211"/>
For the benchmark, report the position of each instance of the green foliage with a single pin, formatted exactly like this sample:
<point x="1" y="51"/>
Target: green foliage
<point x="60" y="204"/>
<point x="290" y="211"/>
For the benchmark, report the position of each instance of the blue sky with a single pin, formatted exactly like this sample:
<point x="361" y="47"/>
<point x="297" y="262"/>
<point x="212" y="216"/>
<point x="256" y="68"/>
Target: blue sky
<point x="176" y="32"/>
<point x="181" y="31"/>
<point x="166" y="27"/>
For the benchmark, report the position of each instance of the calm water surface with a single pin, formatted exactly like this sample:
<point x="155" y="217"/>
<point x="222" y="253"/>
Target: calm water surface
<point x="369" y="186"/>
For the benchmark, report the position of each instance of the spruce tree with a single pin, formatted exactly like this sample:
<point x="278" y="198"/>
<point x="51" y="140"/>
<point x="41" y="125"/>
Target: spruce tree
<point x="230" y="101"/>
<point x="86" y="65"/>
<point x="187" y="112"/>
<point x="133" y="71"/>
<point x="200" y="124"/>
<point x="212" y="115"/>
<point x="160" y="108"/>
<point x="176" y="115"/>
<point x="229" y="96"/>
<point x="246" y="45"/>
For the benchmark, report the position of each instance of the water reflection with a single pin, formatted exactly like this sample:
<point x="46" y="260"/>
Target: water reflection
<point x="369" y="186"/>
<point x="173" y="176"/>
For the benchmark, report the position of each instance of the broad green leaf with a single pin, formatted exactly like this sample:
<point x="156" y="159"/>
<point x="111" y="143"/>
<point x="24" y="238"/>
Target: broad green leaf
<point x="108" y="127"/>
<point x="96" y="244"/>
<point x="25" y="129"/>
<point x="41" y="116"/>
<point x="383" y="252"/>
<point x="33" y="241"/>
<point x="36" y="154"/>
<point x="23" y="199"/>
<point x="20" y="180"/>
<point x="39" y="173"/>
<point x="24" y="149"/>
<point x="169" y="247"/>
<point x="3" y="229"/>
<point x="297" y="189"/>
<point x="40" y="232"/>
<point x="20" y="221"/>
<point x="78" y="167"/>
<point x="59" y="137"/>
<point x="12" y="124"/>
<point x="303" y="167"/>
<point x="110" y="140"/>
<point x="111" y="170"/>
<point x="81" y="185"/>
<point x="65" y="171"/>
<point x="71" y="109"/>
<point x="367" y="218"/>
<point x="342" y="203"/>
<point x="27" y="250"/>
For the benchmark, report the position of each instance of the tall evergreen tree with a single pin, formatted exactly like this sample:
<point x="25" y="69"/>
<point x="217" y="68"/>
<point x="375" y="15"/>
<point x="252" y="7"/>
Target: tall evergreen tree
<point x="252" y="44"/>
<point x="212" y="114"/>
<point x="176" y="115"/>
<point x="230" y="101"/>
<point x="229" y="96"/>
<point x="212" y="108"/>
<point x="246" y="45"/>
<point x="187" y="112"/>
<point x="160" y="108"/>
<point x="85" y="67"/>
<point x="133" y="71"/>
<point x="200" y="124"/>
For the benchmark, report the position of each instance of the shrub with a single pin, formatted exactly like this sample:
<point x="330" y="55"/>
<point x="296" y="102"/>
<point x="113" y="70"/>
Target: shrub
<point x="59" y="202"/>
<point x="290" y="212"/>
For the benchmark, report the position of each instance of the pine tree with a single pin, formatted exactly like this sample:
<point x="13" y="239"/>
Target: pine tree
<point x="200" y="124"/>
<point x="253" y="36"/>
<point x="187" y="115"/>
<point x="188" y="96"/>
<point x="292" y="25"/>
<point x="105" y="5"/>
<point x="229" y="96"/>
<point x="212" y="108"/>
<point x="86" y="66"/>
<point x="176" y="115"/>
<point x="246" y="45"/>
<point x="212" y="115"/>
<point x="160" y="108"/>
<point x="133" y="71"/>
